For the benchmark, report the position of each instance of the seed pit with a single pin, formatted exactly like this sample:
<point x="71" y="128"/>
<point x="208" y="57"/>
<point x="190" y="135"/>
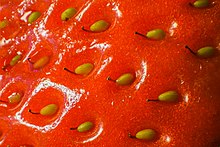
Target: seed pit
<point x="13" y="61"/>
<point x="13" y="92"/>
<point x="43" y="110"/>
<point x="83" y="64"/>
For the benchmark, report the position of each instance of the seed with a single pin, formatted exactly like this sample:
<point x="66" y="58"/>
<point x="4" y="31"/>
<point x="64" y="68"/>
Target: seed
<point x="156" y="34"/>
<point x="33" y="16"/>
<point x="86" y="126"/>
<point x="147" y="134"/>
<point x="15" y="60"/>
<point x="3" y="24"/>
<point x="68" y="13"/>
<point x="99" y="26"/>
<point x="169" y="96"/>
<point x="49" y="109"/>
<point x="41" y="62"/>
<point x="125" y="79"/>
<point x="206" y="52"/>
<point x="201" y="3"/>
<point x="84" y="69"/>
<point x="15" y="98"/>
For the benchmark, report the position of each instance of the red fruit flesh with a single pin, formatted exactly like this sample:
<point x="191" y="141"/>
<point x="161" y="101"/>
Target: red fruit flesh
<point x="115" y="110"/>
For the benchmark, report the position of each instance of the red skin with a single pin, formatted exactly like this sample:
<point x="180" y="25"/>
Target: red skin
<point x="115" y="110"/>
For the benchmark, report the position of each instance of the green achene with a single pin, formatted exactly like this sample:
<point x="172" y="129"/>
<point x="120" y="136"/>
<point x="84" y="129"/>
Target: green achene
<point x="125" y="79"/>
<point x="201" y="3"/>
<point x="146" y="134"/>
<point x="15" y="98"/>
<point x="169" y="96"/>
<point x="33" y="16"/>
<point x="156" y="34"/>
<point x="15" y="60"/>
<point x="84" y="69"/>
<point x="68" y="13"/>
<point x="3" y="24"/>
<point x="99" y="26"/>
<point x="86" y="126"/>
<point x="206" y="52"/>
<point x="49" y="109"/>
<point x="41" y="62"/>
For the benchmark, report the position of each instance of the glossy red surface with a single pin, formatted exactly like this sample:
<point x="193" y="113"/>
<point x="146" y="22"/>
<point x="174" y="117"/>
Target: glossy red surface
<point x="115" y="110"/>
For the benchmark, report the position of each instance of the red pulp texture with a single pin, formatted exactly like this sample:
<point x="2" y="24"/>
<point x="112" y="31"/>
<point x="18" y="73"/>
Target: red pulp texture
<point x="116" y="111"/>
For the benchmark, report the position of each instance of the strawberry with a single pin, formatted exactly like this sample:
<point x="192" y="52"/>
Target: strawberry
<point x="109" y="73"/>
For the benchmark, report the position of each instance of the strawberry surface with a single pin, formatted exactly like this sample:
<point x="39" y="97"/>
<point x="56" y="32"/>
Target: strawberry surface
<point x="116" y="111"/>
